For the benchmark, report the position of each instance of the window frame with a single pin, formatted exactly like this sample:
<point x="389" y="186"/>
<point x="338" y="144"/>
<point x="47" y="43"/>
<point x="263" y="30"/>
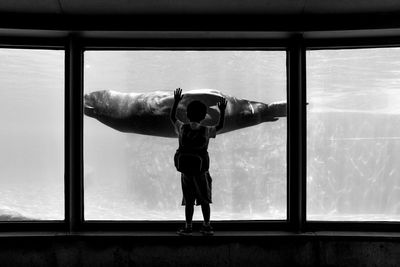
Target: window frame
<point x="45" y="225"/>
<point x="186" y="42"/>
<point x="296" y="44"/>
<point x="351" y="42"/>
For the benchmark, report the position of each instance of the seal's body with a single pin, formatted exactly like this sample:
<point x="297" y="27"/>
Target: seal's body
<point x="149" y="113"/>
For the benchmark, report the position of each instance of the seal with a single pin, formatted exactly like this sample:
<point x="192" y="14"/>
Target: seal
<point x="149" y="113"/>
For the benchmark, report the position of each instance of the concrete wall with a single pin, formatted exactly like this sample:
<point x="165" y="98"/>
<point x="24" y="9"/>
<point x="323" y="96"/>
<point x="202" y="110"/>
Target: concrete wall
<point x="169" y="250"/>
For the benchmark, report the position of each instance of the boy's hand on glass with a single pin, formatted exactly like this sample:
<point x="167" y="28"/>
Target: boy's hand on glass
<point x="178" y="95"/>
<point x="222" y="104"/>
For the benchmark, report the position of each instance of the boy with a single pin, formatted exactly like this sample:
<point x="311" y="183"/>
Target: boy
<point x="194" y="138"/>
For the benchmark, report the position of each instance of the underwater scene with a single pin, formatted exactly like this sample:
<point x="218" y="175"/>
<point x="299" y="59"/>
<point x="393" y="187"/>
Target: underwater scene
<point x="131" y="176"/>
<point x="353" y="141"/>
<point x="32" y="134"/>
<point x="353" y="135"/>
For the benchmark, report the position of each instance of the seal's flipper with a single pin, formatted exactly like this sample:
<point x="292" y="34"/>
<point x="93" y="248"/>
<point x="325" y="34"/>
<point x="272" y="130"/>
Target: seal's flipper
<point x="270" y="119"/>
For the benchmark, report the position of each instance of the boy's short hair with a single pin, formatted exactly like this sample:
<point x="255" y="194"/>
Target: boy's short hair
<point x="196" y="111"/>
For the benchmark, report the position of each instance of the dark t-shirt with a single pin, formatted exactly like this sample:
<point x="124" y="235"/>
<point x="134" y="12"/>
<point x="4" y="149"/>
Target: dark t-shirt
<point x="197" y="137"/>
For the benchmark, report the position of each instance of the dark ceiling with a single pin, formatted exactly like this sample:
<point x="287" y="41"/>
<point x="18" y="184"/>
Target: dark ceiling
<point x="255" y="15"/>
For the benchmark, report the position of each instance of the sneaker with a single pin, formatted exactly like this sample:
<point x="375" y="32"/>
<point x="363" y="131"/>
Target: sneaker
<point x="185" y="231"/>
<point x="207" y="230"/>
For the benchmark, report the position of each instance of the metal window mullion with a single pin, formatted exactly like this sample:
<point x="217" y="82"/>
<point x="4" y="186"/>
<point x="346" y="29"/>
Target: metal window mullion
<point x="74" y="134"/>
<point x="296" y="134"/>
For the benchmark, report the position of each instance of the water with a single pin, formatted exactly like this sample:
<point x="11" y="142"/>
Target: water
<point x="132" y="177"/>
<point x="353" y="139"/>
<point x="353" y="135"/>
<point x="31" y="136"/>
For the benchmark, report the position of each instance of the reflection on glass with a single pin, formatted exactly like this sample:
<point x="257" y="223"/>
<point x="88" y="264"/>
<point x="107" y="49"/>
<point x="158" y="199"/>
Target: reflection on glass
<point x="353" y="135"/>
<point x="132" y="177"/>
<point x="31" y="135"/>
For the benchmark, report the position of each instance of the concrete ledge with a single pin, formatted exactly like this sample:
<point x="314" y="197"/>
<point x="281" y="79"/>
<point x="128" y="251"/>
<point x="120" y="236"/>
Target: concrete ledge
<point x="223" y="249"/>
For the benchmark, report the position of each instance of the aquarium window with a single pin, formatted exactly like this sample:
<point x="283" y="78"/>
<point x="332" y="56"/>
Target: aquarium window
<point x="353" y="135"/>
<point x="31" y="135"/>
<point x="131" y="175"/>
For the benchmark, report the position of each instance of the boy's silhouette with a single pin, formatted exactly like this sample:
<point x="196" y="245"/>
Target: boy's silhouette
<point x="193" y="139"/>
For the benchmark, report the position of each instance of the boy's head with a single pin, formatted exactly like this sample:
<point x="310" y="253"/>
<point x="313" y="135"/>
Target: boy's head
<point x="196" y="111"/>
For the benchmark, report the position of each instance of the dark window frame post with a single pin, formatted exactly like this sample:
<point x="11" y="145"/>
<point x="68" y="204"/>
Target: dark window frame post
<point x="296" y="78"/>
<point x="74" y="134"/>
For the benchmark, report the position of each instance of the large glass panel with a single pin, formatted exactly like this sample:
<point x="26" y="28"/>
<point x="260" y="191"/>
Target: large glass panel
<point x="132" y="176"/>
<point x="353" y="135"/>
<point x="31" y="135"/>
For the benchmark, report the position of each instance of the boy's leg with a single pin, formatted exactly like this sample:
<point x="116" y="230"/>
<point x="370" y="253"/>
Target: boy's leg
<point x="203" y="183"/>
<point x="206" y="228"/>
<point x="187" y="230"/>
<point x="188" y="198"/>
<point x="205" y="209"/>
<point x="189" y="210"/>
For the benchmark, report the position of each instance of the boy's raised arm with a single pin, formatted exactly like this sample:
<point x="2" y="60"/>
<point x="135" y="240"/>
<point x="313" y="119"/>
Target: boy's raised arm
<point x="222" y="106"/>
<point x="177" y="98"/>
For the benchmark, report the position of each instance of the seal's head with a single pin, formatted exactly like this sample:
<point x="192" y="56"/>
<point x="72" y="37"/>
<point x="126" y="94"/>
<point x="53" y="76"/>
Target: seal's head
<point x="99" y="103"/>
<point x="90" y="103"/>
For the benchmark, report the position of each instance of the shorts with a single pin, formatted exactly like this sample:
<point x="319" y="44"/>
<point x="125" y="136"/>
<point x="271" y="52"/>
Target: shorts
<point x="196" y="189"/>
